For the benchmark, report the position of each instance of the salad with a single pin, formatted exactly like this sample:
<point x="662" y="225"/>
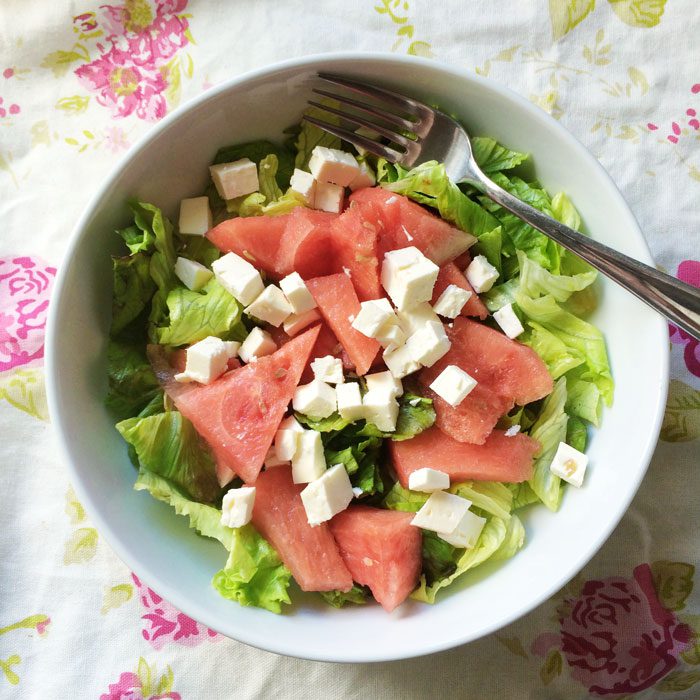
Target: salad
<point x="353" y="375"/>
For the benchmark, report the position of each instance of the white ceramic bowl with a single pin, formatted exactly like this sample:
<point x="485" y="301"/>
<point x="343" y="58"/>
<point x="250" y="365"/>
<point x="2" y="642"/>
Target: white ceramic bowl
<point x="171" y="163"/>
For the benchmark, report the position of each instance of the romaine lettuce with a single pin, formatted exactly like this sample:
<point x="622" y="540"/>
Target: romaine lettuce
<point x="257" y="151"/>
<point x="310" y="136"/>
<point x="133" y="289"/>
<point x="132" y="383"/>
<point x="357" y="595"/>
<point x="492" y="157"/>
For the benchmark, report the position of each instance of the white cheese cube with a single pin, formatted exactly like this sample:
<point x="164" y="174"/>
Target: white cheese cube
<point x="305" y="184"/>
<point x="329" y="197"/>
<point x="467" y="532"/>
<point x="453" y="384"/>
<point x="569" y="464"/>
<point x="192" y="274"/>
<point x="270" y="306"/>
<point x="328" y="369"/>
<point x="382" y="409"/>
<point x="364" y="178"/>
<point x="238" y="277"/>
<point x="333" y="165"/>
<point x="295" y="323"/>
<point x="510" y="324"/>
<point x="316" y="399"/>
<point x="297" y="293"/>
<point x="428" y="480"/>
<point x="206" y="360"/>
<point x="373" y="314"/>
<point x="350" y="401"/>
<point x="414" y="319"/>
<point x="400" y="362"/>
<point x="391" y="335"/>
<point x="428" y="344"/>
<point x="235" y="179"/>
<point x="357" y="491"/>
<point x="408" y="277"/>
<point x="232" y="347"/>
<point x="481" y="274"/>
<point x="327" y="496"/>
<point x="272" y="459"/>
<point x="291" y="423"/>
<point x="442" y="512"/>
<point x="287" y="438"/>
<point x="512" y="431"/>
<point x="258" y="344"/>
<point x="384" y="382"/>
<point x="195" y="216"/>
<point x="451" y="302"/>
<point x="237" y="506"/>
<point x="308" y="462"/>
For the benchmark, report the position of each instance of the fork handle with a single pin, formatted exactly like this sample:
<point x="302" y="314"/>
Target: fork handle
<point x="677" y="301"/>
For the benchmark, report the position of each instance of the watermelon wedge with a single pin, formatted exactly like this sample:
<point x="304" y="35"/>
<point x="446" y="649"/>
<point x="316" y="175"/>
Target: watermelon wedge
<point x="405" y="223"/>
<point x="338" y="303"/>
<point x="310" y="553"/>
<point x="238" y="414"/>
<point x="305" y="244"/>
<point x="381" y="549"/>
<point x="450" y="274"/>
<point x="500" y="458"/>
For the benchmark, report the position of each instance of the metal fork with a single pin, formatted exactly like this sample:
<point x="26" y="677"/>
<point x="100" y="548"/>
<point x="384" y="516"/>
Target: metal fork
<point x="414" y="132"/>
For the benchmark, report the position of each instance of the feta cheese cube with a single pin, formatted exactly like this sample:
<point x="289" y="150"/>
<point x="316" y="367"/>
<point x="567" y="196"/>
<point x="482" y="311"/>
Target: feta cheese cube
<point x="417" y="317"/>
<point x="373" y="314"/>
<point x="235" y="179"/>
<point x="408" y="277"/>
<point x="308" y="462"/>
<point x="206" y="360"/>
<point x="467" y="532"/>
<point x="569" y="464"/>
<point x="305" y="184"/>
<point x="512" y="431"/>
<point x="400" y="362"/>
<point x="238" y="277"/>
<point x="510" y="324"/>
<point x="391" y="335"/>
<point x="481" y="274"/>
<point x="329" y="197"/>
<point x="327" y="496"/>
<point x="287" y="439"/>
<point x="316" y="399"/>
<point x="195" y="216"/>
<point x="192" y="274"/>
<point x="350" y="401"/>
<point x="237" y="506"/>
<point x="258" y="344"/>
<point x="442" y="512"/>
<point x="364" y="178"/>
<point x="291" y="423"/>
<point x="382" y="409"/>
<point x="297" y="293"/>
<point x="270" y="306"/>
<point x="451" y="302"/>
<point x="453" y="384"/>
<point x="328" y="369"/>
<point x="384" y="382"/>
<point x="428" y="480"/>
<point x="273" y="460"/>
<point x="294" y="323"/>
<point x="333" y="165"/>
<point x="428" y="344"/>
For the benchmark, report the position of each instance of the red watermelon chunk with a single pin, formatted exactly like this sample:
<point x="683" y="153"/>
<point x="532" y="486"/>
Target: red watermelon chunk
<point x="239" y="413"/>
<point x="450" y="274"/>
<point x="405" y="223"/>
<point x="500" y="458"/>
<point x="305" y="246"/>
<point x="310" y="553"/>
<point x="338" y="303"/>
<point x="381" y="549"/>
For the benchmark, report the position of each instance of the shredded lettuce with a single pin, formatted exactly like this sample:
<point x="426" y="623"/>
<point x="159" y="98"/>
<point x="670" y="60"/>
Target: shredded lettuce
<point x="132" y="383"/>
<point x="255" y="204"/>
<point x="267" y="178"/>
<point x="357" y="595"/>
<point x="535" y="281"/>
<point x="584" y="398"/>
<point x="492" y="157"/>
<point x="133" y="289"/>
<point x="492" y="497"/>
<point x="553" y="351"/>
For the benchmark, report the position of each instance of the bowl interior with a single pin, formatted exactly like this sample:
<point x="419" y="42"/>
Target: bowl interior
<point x="171" y="163"/>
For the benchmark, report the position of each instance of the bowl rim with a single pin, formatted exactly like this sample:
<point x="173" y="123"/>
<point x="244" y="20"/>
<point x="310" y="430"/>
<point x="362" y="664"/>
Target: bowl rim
<point x="112" y="537"/>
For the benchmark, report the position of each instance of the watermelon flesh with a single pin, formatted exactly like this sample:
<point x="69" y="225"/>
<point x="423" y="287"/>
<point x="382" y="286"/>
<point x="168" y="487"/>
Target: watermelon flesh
<point x="310" y="553"/>
<point x="381" y="549"/>
<point x="450" y="274"/>
<point x="338" y="303"/>
<point x="500" y="458"/>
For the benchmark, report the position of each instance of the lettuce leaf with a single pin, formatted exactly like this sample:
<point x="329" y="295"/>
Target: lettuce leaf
<point x="492" y="497"/>
<point x="257" y="151"/>
<point x="137" y="239"/>
<point x="584" y="398"/>
<point x="535" y="281"/>
<point x="553" y="351"/>
<point x="133" y="288"/>
<point x="132" y="383"/>
<point x="492" y="157"/>
<point x="167" y="444"/>
<point x="416" y="414"/>
<point x="200" y="249"/>
<point x="357" y="595"/>
<point x="523" y="495"/>
<point x="399" y="498"/>
<point x="439" y="558"/>
<point x="576" y="434"/>
<point x="267" y="178"/>
<point x="310" y="136"/>
<point x="255" y="204"/>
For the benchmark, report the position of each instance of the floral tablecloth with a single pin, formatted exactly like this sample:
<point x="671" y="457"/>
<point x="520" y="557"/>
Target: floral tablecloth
<point x="80" y="81"/>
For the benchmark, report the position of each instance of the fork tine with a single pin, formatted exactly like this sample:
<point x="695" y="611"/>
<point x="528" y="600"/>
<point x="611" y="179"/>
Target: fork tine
<point x="388" y="117"/>
<point x="391" y="154"/>
<point x="361" y="121"/>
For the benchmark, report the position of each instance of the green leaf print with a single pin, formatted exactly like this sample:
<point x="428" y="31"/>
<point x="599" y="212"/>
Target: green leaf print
<point x="6" y="666"/>
<point x="673" y="581"/>
<point x="639" y="13"/>
<point x="677" y="681"/>
<point x="552" y="666"/>
<point x="566" y="14"/>
<point x="116" y="596"/>
<point x="682" y="418"/>
<point x="81" y="546"/>
<point x="24" y="389"/>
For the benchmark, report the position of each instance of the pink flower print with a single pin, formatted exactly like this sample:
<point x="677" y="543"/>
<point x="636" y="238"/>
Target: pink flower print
<point x="115" y="139"/>
<point x="25" y="283"/>
<point x="130" y="687"/>
<point x="688" y="271"/>
<point x="85" y="23"/>
<point x="8" y="73"/>
<point x="617" y="637"/>
<point x="165" y="623"/>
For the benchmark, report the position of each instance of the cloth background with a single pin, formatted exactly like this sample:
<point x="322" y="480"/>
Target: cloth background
<point x="80" y="82"/>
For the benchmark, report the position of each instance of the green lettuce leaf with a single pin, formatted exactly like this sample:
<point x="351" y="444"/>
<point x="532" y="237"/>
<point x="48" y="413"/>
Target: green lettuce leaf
<point x="137" y="239"/>
<point x="492" y="157"/>
<point x="192" y="316"/>
<point x="132" y="383"/>
<point x="133" y="288"/>
<point x="513" y="540"/>
<point x="553" y="351"/>
<point x="584" y="398"/>
<point x="489" y="245"/>
<point x="357" y="595"/>
<point x="167" y="444"/>
<point x="416" y="414"/>
<point x="254" y="575"/>
<point x="200" y="249"/>
<point x="257" y="151"/>
<point x="255" y="204"/>
<point x="563" y="210"/>
<point x="492" y="497"/>
<point x="535" y="281"/>
<point x="399" y="498"/>
<point x="310" y="136"/>
<point x="523" y="495"/>
<point x="576" y="434"/>
<point x="439" y="558"/>
<point x="267" y="178"/>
